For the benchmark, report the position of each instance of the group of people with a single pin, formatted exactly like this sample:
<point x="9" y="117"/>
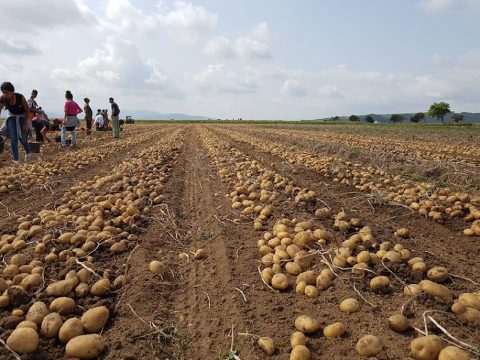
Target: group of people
<point x="24" y="117"/>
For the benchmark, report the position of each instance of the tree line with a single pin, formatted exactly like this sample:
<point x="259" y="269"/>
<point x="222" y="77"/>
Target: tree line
<point x="437" y="110"/>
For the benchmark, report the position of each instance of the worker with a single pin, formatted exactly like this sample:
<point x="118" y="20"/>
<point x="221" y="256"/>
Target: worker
<point x="16" y="120"/>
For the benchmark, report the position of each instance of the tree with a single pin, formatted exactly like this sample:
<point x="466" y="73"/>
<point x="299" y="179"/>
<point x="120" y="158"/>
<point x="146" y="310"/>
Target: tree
<point x="417" y="117"/>
<point x="457" y="118"/>
<point x="369" y="119"/>
<point x="354" y="118"/>
<point x="439" y="110"/>
<point x="396" y="118"/>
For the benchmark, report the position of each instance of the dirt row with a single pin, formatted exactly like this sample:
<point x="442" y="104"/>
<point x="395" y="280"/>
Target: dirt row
<point x="216" y="306"/>
<point x="31" y="200"/>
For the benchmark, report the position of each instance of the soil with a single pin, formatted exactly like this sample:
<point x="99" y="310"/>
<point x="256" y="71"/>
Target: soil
<point x="217" y="306"/>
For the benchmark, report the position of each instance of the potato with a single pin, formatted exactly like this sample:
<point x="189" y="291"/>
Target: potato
<point x="267" y="275"/>
<point x="293" y="268"/>
<point x="438" y="274"/>
<point x="37" y="312"/>
<point x="23" y="340"/>
<point x="349" y="305"/>
<point x="298" y="338"/>
<point x="380" y="283"/>
<point x="403" y="233"/>
<point x="436" y="290"/>
<point x="469" y="316"/>
<point x="311" y="291"/>
<point x="398" y="323"/>
<point x="31" y="281"/>
<point x="94" y="320"/>
<point x="334" y="330"/>
<point x="306" y="324"/>
<point x="426" y="347"/>
<point x="267" y="345"/>
<point x="71" y="328"/>
<point x="199" y="254"/>
<point x="470" y="300"/>
<point x="85" y="347"/>
<point x="51" y="324"/>
<point x="323" y="281"/>
<point x="100" y="288"/>
<point x="309" y="277"/>
<point x="369" y="345"/>
<point x="300" y="352"/>
<point x="453" y="353"/>
<point x="27" y="324"/>
<point x="300" y="288"/>
<point x="412" y="290"/>
<point x="62" y="305"/>
<point x="157" y="267"/>
<point x="60" y="288"/>
<point x="280" y="281"/>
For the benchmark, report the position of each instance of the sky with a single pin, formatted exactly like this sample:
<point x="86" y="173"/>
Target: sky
<point x="250" y="59"/>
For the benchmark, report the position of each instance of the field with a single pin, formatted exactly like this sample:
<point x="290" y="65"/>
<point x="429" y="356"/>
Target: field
<point x="248" y="228"/>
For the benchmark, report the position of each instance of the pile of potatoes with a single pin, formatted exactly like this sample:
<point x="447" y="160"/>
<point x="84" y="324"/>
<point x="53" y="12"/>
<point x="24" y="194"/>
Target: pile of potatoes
<point x="35" y="174"/>
<point x="436" y="204"/>
<point x="101" y="215"/>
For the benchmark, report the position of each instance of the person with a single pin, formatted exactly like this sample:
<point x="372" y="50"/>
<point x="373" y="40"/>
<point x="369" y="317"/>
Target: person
<point x="105" y="120"/>
<point x="41" y="125"/>
<point x="32" y="104"/>
<point x="71" y="119"/>
<point x="16" y="120"/>
<point x="115" y="119"/>
<point x="99" y="120"/>
<point x="88" y="116"/>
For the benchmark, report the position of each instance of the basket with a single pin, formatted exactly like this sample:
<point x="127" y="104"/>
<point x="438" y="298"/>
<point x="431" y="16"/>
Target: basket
<point x="34" y="147"/>
<point x="58" y="138"/>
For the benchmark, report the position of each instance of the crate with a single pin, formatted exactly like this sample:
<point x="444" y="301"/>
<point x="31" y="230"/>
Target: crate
<point x="34" y="147"/>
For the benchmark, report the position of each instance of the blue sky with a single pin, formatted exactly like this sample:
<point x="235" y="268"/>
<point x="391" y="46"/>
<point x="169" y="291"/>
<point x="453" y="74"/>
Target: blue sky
<point x="258" y="59"/>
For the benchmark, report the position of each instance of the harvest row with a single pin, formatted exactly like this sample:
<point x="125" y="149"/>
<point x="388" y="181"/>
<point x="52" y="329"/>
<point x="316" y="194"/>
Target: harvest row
<point x="65" y="266"/>
<point x="317" y="252"/>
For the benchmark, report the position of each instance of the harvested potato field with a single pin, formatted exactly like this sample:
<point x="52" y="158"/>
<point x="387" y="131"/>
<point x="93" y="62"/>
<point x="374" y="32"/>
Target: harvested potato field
<point x="209" y="241"/>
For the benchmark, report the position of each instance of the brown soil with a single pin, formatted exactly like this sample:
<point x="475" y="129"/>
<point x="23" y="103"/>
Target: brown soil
<point x="212" y="308"/>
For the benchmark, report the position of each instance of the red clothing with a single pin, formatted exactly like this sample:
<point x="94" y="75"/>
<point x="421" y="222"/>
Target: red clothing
<point x="72" y="108"/>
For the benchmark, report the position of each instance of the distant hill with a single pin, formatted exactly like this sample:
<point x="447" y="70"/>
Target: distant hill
<point x="385" y="118"/>
<point x="145" y="115"/>
<point x="153" y="115"/>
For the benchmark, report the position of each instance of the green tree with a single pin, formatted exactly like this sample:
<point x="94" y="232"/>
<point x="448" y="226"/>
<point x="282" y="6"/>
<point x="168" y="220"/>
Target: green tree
<point x="369" y="119"/>
<point x="417" y="117"/>
<point x="457" y="118"/>
<point x="439" y="110"/>
<point x="396" y="118"/>
<point x="354" y="118"/>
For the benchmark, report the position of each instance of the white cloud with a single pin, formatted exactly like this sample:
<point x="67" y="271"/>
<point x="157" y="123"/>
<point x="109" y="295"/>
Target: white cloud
<point x="294" y="88"/>
<point x="17" y="47"/>
<point x="249" y="48"/>
<point x="118" y="65"/>
<point x="252" y="46"/>
<point x="186" y="21"/>
<point x="32" y="16"/>
<point x="220" y="47"/>
<point x="261" y="32"/>
<point x="219" y="78"/>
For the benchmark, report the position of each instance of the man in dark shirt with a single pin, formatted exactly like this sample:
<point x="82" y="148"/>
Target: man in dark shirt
<point x="88" y="116"/>
<point x="115" y="119"/>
